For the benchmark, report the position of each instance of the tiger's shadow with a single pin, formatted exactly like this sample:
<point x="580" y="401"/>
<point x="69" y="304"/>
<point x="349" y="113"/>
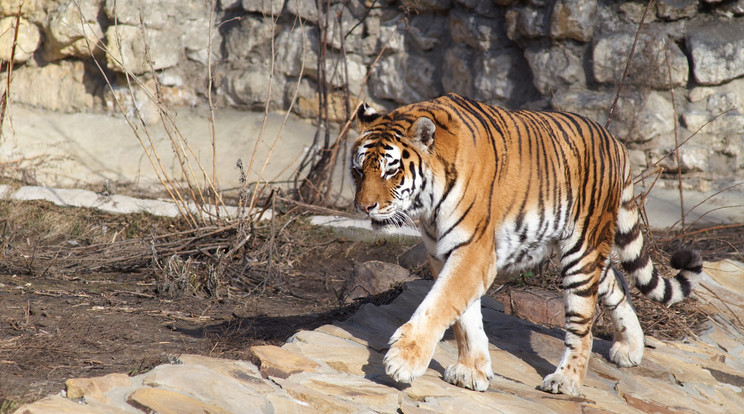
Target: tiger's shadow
<point x="536" y="346"/>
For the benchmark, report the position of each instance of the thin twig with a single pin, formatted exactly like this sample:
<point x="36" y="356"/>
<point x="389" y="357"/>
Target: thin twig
<point x="627" y="64"/>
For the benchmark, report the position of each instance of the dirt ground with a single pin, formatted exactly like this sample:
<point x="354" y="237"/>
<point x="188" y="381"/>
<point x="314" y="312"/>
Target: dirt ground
<point x="84" y="293"/>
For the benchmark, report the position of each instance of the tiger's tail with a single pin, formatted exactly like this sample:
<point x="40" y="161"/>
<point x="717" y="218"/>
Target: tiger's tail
<point x="633" y="255"/>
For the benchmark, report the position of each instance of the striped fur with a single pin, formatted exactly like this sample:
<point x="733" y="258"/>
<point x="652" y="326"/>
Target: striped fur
<point x="491" y="190"/>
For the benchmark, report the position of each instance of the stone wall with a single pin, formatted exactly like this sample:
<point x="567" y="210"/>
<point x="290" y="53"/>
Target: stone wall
<point x="545" y="54"/>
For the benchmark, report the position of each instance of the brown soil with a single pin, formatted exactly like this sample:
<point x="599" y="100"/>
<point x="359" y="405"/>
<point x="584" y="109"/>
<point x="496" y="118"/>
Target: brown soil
<point x="82" y="293"/>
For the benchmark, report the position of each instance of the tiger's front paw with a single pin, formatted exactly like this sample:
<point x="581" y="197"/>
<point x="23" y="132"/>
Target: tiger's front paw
<point x="408" y="356"/>
<point x="560" y="383"/>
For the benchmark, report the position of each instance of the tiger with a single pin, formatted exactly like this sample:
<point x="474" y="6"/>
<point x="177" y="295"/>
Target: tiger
<point x="492" y="190"/>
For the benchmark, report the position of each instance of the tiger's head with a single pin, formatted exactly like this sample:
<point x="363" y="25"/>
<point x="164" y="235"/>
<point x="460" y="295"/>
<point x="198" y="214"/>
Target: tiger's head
<point x="389" y="164"/>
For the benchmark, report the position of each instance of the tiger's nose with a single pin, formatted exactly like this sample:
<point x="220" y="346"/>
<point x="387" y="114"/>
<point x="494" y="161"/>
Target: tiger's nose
<point x="367" y="208"/>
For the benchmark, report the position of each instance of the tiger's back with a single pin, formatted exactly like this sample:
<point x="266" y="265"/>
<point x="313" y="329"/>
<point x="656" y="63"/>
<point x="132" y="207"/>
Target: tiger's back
<point x="491" y="189"/>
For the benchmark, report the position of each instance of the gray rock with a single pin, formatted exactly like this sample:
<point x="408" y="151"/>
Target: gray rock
<point x="29" y="39"/>
<point x="426" y="5"/>
<point x="717" y="52"/>
<point x="58" y="87"/>
<point x="296" y="47"/>
<point x="414" y="257"/>
<point x="527" y="23"/>
<point x="676" y="9"/>
<point x="477" y="32"/>
<point x="250" y="87"/>
<point x="265" y="7"/>
<point x="251" y="39"/>
<point x="405" y="78"/>
<point x="557" y="67"/>
<point x="128" y="50"/>
<point x="428" y="31"/>
<point x="719" y="103"/>
<point x="593" y="105"/>
<point x="501" y="77"/>
<point x="304" y="9"/>
<point x="457" y="75"/>
<point x="373" y="277"/>
<point x="74" y="30"/>
<point x="159" y="14"/>
<point x="483" y="8"/>
<point x="731" y="9"/>
<point x="649" y="66"/>
<point x="573" y="19"/>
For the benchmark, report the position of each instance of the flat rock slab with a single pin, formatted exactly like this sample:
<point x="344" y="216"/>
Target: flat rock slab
<point x="338" y="369"/>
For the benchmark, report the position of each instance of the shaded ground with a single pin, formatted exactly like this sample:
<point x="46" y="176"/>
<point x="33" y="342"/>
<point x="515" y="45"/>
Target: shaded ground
<point x="85" y="294"/>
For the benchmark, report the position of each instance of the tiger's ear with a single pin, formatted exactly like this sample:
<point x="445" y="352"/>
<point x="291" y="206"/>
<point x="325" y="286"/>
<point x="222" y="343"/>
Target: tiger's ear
<point x="423" y="131"/>
<point x="365" y="116"/>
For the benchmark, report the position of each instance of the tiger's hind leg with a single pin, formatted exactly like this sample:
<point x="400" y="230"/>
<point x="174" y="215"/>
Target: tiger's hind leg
<point x="582" y="271"/>
<point x="627" y="347"/>
<point x="473" y="367"/>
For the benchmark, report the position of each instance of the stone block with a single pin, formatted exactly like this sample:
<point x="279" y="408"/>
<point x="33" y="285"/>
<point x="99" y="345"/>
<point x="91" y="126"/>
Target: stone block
<point x="372" y="278"/>
<point x="717" y="52"/>
<point x="501" y="76"/>
<point x="527" y="23"/>
<point x="405" y="78"/>
<point x="95" y="388"/>
<point x="278" y="362"/>
<point x="573" y="19"/>
<point x="478" y="32"/>
<point x="168" y="402"/>
<point x="676" y="9"/>
<point x="557" y="67"/>
<point x="457" y="70"/>
<point x="210" y="387"/>
<point x="29" y="39"/>
<point x="74" y="30"/>
<point x="649" y="66"/>
<point x="138" y="51"/>
<point x="265" y="7"/>
<point x="57" y="86"/>
<point x="427" y="5"/>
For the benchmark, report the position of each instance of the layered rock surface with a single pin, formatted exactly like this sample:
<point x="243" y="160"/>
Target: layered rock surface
<point x="338" y="369"/>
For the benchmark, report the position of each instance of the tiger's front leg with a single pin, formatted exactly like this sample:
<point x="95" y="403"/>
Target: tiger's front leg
<point x="463" y="279"/>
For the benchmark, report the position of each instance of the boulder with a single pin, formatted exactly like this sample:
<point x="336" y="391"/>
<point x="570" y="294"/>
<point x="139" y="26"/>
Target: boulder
<point x="295" y="47"/>
<point x="527" y="23"/>
<point x="405" y="78"/>
<point x="265" y="7"/>
<point x="477" y="32"/>
<point x="428" y="31"/>
<point x="426" y="5"/>
<point x="573" y="19"/>
<point x="57" y="87"/>
<point x="74" y="30"/>
<point x="372" y="278"/>
<point x="457" y="75"/>
<point x="129" y="52"/>
<point x="160" y="14"/>
<point x="29" y="39"/>
<point x="251" y="88"/>
<point x="676" y="9"/>
<point x="250" y="39"/>
<point x="501" y="77"/>
<point x="649" y="66"/>
<point x="557" y="67"/>
<point x="717" y="52"/>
